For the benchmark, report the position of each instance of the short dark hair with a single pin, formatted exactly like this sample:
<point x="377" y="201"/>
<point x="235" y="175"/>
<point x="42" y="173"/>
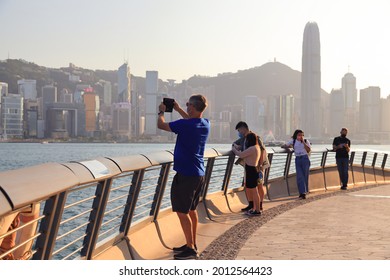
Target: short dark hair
<point x="199" y="102"/>
<point x="251" y="139"/>
<point x="242" y="124"/>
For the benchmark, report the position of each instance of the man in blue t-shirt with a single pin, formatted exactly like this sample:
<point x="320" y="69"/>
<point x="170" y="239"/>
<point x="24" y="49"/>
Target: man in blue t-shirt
<point x="192" y="132"/>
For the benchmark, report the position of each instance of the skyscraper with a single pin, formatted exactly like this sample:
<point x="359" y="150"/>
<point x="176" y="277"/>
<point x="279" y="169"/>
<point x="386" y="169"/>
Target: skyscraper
<point x="252" y="111"/>
<point x="151" y="88"/>
<point x="311" y="110"/>
<point x="337" y="111"/>
<point x="350" y="101"/>
<point x="124" y="94"/>
<point x="349" y="90"/>
<point x="12" y="115"/>
<point x="370" y="110"/>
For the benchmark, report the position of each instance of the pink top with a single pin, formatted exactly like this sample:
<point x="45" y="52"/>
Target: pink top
<point x="251" y="155"/>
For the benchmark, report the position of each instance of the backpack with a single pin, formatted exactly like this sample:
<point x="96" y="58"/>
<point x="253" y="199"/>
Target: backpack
<point x="265" y="164"/>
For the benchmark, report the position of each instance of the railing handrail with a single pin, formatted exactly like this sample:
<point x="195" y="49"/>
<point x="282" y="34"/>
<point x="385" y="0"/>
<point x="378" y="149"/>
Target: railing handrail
<point x="52" y="183"/>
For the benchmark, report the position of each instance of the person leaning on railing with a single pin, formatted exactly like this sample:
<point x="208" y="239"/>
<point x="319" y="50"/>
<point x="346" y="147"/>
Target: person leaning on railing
<point x="341" y="145"/>
<point x="302" y="148"/>
<point x="243" y="130"/>
<point x="251" y="156"/>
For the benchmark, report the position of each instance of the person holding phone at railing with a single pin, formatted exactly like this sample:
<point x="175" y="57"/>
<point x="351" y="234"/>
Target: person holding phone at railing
<point x="302" y="148"/>
<point x="341" y="145"/>
<point x="240" y="144"/>
<point x="192" y="132"/>
<point x="251" y="156"/>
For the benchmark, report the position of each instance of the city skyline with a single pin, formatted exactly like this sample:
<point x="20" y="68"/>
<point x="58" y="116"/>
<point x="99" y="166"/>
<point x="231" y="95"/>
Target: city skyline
<point x="185" y="38"/>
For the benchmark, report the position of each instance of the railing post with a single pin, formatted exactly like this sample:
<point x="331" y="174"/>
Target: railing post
<point x="132" y="198"/>
<point x="373" y="165"/>
<point x="351" y="159"/>
<point x="160" y="190"/>
<point x="158" y="196"/>
<point x="228" y="172"/>
<point x="266" y="174"/>
<point x="52" y="212"/>
<point x="323" y="163"/>
<point x="383" y="166"/>
<point x="287" y="170"/>
<point x="95" y="218"/>
<point x="362" y="163"/>
<point x="209" y="170"/>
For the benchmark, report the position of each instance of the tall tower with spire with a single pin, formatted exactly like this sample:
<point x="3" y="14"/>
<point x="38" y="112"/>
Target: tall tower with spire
<point x="124" y="86"/>
<point x="350" y="100"/>
<point x="311" y="110"/>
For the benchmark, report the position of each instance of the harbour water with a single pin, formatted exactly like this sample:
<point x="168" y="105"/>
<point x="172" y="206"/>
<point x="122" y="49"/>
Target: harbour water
<point x="18" y="155"/>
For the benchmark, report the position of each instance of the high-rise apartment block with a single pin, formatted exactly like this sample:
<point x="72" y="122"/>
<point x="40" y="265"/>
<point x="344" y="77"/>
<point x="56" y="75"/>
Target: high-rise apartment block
<point x="3" y="89"/>
<point x="92" y="107"/>
<point x="121" y="120"/>
<point x="12" y="115"/>
<point x="370" y="110"/>
<point x="337" y="111"/>
<point x="27" y="89"/>
<point x="151" y="89"/>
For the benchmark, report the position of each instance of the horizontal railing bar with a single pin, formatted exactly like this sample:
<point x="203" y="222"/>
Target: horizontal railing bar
<point x="112" y="219"/>
<point x="146" y="195"/>
<point x="73" y="253"/>
<point x="114" y="209"/>
<point x="143" y="212"/>
<point x="110" y="229"/>
<point x="71" y="231"/>
<point x="76" y="216"/>
<point x="116" y="188"/>
<point x="80" y="201"/>
<point x="117" y="198"/>
<point x="69" y="244"/>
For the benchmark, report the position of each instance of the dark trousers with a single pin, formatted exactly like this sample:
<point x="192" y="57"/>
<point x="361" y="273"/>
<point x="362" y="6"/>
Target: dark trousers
<point x="342" y="167"/>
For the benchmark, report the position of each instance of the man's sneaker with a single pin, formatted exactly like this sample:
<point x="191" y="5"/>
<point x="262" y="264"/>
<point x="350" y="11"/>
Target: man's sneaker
<point x="302" y="196"/>
<point x="344" y="188"/>
<point x="187" y="254"/>
<point x="182" y="248"/>
<point x="249" y="207"/>
<point x="253" y="213"/>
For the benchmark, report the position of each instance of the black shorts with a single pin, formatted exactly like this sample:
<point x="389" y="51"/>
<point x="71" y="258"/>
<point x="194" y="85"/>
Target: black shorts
<point x="251" y="176"/>
<point x="185" y="192"/>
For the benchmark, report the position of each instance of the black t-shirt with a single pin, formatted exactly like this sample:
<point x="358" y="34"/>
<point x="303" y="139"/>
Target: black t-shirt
<point x="341" y="153"/>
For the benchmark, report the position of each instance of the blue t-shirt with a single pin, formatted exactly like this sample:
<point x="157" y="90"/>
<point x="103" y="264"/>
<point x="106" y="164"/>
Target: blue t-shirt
<point x="190" y="144"/>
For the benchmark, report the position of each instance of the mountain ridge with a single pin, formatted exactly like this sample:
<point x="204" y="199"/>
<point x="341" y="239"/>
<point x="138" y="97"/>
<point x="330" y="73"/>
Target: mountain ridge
<point x="269" y="79"/>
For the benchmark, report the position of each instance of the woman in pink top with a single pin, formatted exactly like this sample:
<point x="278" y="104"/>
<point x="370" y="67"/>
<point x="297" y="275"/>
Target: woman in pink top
<point x="251" y="156"/>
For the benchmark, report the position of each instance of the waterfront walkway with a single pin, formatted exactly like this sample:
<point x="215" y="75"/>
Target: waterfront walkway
<point x="338" y="225"/>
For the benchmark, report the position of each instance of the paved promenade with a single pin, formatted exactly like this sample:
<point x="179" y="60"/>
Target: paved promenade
<point x="351" y="225"/>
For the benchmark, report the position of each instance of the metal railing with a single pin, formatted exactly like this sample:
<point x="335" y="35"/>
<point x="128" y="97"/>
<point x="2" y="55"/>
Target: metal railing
<point x="86" y="207"/>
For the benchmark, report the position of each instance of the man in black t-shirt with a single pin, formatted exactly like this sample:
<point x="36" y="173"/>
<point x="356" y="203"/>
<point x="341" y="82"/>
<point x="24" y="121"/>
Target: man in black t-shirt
<point x="243" y="130"/>
<point x="341" y="145"/>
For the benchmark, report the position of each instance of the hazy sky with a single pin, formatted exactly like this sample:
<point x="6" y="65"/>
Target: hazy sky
<point x="180" y="38"/>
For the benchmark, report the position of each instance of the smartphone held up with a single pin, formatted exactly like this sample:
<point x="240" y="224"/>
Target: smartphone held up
<point x="168" y="102"/>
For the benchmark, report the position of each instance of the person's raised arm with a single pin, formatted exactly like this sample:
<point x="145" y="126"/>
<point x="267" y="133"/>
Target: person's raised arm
<point x="161" y="124"/>
<point x="178" y="109"/>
